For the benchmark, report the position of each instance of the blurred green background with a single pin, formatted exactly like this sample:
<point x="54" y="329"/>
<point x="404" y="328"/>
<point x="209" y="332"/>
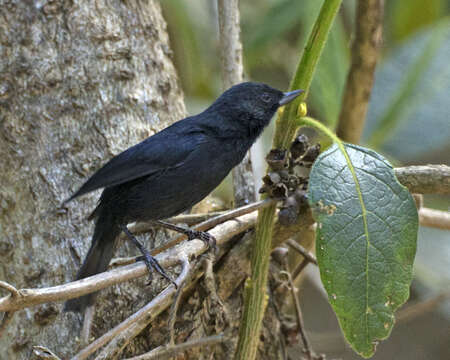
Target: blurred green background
<point x="408" y="119"/>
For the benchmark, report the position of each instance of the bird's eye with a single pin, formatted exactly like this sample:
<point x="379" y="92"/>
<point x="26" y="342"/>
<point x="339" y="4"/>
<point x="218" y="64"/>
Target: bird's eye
<point x="266" y="98"/>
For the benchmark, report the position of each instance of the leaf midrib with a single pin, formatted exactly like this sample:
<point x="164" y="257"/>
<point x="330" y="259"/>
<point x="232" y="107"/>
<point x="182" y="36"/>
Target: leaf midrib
<point x="366" y="229"/>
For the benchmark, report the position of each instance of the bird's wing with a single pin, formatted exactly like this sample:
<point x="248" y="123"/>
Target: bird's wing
<point x="164" y="150"/>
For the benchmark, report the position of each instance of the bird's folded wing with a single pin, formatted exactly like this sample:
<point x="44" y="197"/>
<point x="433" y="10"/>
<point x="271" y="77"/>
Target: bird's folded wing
<point x="159" y="152"/>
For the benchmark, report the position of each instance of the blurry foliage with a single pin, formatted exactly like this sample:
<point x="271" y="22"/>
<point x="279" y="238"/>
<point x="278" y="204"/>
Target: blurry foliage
<point x="409" y="114"/>
<point x="409" y="102"/>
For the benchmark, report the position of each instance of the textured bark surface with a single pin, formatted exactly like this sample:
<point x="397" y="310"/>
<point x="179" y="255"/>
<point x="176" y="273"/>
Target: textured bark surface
<point x="365" y="53"/>
<point x="232" y="74"/>
<point x="79" y="82"/>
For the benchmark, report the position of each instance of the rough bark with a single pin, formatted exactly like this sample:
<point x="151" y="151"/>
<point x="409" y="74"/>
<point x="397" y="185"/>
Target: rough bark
<point x="79" y="82"/>
<point x="365" y="53"/>
<point x="232" y="74"/>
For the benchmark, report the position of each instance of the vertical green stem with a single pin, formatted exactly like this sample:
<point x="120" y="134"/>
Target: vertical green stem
<point x="255" y="289"/>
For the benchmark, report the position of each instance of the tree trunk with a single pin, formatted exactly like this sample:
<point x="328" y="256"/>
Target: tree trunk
<point x="79" y="82"/>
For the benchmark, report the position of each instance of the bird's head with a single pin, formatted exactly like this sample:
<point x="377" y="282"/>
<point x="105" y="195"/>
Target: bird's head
<point x="252" y="105"/>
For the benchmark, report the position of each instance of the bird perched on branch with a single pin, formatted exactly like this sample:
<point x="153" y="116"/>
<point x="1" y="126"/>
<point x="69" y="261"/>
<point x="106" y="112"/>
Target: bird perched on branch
<point x="172" y="170"/>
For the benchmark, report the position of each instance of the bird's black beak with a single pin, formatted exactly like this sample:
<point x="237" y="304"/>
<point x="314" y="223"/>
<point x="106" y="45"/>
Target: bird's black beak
<point x="289" y="96"/>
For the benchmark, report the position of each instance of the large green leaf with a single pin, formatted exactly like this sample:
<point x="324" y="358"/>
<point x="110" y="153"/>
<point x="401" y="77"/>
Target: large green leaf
<point x="366" y="240"/>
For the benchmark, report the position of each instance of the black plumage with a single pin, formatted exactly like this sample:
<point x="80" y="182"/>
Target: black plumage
<point x="174" y="169"/>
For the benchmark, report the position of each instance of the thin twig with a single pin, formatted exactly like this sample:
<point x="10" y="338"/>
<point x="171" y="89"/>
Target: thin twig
<point x="150" y="310"/>
<point x="301" y="328"/>
<point x="29" y="297"/>
<point x="87" y="324"/>
<point x="192" y="219"/>
<point x="299" y="268"/>
<point x="215" y="306"/>
<point x="365" y="53"/>
<point x="165" y="352"/>
<point x="8" y="316"/>
<point x="211" y="223"/>
<point x="14" y="292"/>
<point x="41" y="352"/>
<point x="434" y="218"/>
<point x="300" y="249"/>
<point x="141" y="228"/>
<point x="175" y="304"/>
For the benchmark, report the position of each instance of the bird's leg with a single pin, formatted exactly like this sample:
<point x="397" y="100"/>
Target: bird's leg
<point x="207" y="238"/>
<point x="149" y="260"/>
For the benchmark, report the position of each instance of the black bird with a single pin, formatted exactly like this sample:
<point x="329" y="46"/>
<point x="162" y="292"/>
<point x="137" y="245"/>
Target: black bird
<point x="172" y="170"/>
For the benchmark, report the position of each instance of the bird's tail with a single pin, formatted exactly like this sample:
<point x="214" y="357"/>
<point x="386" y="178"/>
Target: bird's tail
<point x="97" y="259"/>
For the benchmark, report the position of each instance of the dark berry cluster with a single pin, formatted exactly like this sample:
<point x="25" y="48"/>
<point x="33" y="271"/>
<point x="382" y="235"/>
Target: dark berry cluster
<point x="288" y="177"/>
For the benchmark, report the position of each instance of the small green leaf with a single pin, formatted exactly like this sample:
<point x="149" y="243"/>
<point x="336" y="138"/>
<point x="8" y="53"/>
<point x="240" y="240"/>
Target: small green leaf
<point x="366" y="240"/>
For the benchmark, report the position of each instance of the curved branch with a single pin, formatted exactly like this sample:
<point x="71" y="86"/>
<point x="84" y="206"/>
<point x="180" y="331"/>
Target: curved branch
<point x="30" y="297"/>
<point x="14" y="292"/>
<point x="119" y="337"/>
<point x="166" y="352"/>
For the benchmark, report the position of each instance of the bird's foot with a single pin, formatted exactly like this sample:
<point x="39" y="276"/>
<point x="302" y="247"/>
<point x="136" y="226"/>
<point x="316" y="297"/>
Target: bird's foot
<point x="153" y="264"/>
<point x="207" y="238"/>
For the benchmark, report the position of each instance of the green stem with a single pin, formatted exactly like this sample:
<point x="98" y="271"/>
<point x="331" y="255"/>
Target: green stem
<point x="308" y="121"/>
<point x="255" y="289"/>
<point x="285" y="129"/>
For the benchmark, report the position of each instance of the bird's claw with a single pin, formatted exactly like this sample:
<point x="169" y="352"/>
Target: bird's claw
<point x="207" y="238"/>
<point x="152" y="264"/>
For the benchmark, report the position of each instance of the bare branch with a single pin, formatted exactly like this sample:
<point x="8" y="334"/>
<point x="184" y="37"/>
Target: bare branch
<point x="230" y="42"/>
<point x="421" y="308"/>
<point x="41" y="352"/>
<point x="298" y="311"/>
<point x="14" y="292"/>
<point x="31" y="297"/>
<point x="427" y="179"/>
<point x="299" y="268"/>
<point x="166" y="352"/>
<point x="120" y="336"/>
<point x="232" y="73"/>
<point x="87" y="324"/>
<point x="141" y="228"/>
<point x="300" y="249"/>
<point x="434" y="218"/>
<point x="192" y="219"/>
<point x="211" y="223"/>
<point x="365" y="53"/>
<point x="174" y="307"/>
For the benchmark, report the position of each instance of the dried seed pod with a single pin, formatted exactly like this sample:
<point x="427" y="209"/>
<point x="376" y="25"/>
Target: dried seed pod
<point x="299" y="146"/>
<point x="280" y="190"/>
<point x="276" y="159"/>
<point x="271" y="178"/>
<point x="293" y="182"/>
<point x="312" y="153"/>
